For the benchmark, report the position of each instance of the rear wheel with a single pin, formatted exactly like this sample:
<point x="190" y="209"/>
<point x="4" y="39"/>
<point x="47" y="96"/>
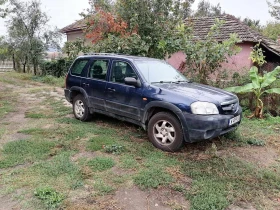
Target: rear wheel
<point x="80" y="108"/>
<point x="165" y="132"/>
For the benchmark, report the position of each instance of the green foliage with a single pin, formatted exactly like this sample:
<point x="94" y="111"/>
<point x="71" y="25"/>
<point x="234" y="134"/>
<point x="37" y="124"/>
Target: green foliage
<point x="204" y="57"/>
<point x="259" y="87"/>
<point x="129" y="45"/>
<point x="274" y="9"/>
<point x="114" y="149"/>
<point x="205" y="9"/>
<point x="101" y="163"/>
<point x="49" y="196"/>
<point x="144" y="25"/>
<point x="57" y="68"/>
<point x="257" y="56"/>
<point x="272" y="30"/>
<point x="152" y="178"/>
<point x="254" y="24"/>
<point x="72" y="49"/>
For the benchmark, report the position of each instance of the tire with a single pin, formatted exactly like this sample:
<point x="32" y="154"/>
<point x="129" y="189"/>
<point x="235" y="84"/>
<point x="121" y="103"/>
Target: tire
<point x="80" y="108"/>
<point x="165" y="132"/>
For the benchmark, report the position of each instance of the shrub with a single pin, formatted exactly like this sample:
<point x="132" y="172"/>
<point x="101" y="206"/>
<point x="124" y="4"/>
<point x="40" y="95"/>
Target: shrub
<point x="56" y="68"/>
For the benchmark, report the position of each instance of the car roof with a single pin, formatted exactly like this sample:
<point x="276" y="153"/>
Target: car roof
<point x="121" y="56"/>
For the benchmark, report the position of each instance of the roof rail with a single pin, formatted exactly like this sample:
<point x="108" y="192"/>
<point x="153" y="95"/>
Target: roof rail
<point x="93" y="53"/>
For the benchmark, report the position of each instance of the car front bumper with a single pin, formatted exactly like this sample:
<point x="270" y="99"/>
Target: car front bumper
<point x="202" y="127"/>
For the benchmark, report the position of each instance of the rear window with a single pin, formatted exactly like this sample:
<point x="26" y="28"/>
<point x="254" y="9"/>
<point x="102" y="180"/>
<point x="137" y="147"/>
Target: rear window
<point x="78" y="67"/>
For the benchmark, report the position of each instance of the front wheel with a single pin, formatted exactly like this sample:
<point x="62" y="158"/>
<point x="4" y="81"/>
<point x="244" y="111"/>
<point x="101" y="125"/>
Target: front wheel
<point x="80" y="108"/>
<point x="165" y="132"/>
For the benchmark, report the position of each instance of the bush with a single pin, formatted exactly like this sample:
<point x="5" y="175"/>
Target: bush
<point x="56" y="68"/>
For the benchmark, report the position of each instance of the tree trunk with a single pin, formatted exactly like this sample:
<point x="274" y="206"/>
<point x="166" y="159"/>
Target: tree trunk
<point x="34" y="67"/>
<point x="14" y="62"/>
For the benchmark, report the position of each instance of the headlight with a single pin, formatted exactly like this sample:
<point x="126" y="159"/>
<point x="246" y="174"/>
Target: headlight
<point x="204" y="108"/>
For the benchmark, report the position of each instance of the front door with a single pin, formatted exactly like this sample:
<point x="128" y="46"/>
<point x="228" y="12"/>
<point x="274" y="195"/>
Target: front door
<point x="122" y="99"/>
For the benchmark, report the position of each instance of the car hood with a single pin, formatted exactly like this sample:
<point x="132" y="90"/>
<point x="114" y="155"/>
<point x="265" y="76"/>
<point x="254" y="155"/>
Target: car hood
<point x="198" y="92"/>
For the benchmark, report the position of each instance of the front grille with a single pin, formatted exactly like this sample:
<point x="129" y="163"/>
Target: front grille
<point x="230" y="107"/>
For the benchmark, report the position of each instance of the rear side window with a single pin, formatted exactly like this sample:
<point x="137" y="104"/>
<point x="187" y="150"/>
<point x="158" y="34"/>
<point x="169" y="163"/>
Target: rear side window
<point x="78" y="67"/>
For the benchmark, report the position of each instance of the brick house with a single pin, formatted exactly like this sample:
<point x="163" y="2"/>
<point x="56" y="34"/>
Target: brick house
<point x="238" y="63"/>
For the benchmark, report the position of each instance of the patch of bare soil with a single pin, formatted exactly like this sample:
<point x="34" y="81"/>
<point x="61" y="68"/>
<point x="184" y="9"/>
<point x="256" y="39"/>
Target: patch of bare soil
<point x="261" y="156"/>
<point x="161" y="199"/>
<point x="6" y="203"/>
<point x="241" y="206"/>
<point x="87" y="155"/>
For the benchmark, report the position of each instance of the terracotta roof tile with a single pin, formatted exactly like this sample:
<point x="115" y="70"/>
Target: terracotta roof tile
<point x="78" y="25"/>
<point x="202" y="25"/>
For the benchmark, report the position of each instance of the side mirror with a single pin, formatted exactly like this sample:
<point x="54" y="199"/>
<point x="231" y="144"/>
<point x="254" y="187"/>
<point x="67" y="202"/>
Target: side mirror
<point x="132" y="81"/>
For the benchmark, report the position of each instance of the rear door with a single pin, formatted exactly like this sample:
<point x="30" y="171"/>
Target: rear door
<point x="122" y="99"/>
<point x="96" y="81"/>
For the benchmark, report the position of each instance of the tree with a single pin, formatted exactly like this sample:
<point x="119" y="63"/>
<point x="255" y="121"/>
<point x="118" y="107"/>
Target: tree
<point x="72" y="49"/>
<point x="29" y="36"/>
<point x="272" y="30"/>
<point x="274" y="9"/>
<point x="3" y="10"/>
<point x="205" y="8"/>
<point x="259" y="86"/>
<point x="148" y="21"/>
<point x="254" y="24"/>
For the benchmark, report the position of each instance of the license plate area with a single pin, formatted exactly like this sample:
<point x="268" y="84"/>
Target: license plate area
<point x="234" y="120"/>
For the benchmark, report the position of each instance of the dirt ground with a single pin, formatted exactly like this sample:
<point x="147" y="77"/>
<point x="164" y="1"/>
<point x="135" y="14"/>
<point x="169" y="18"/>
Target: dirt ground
<point x="129" y="198"/>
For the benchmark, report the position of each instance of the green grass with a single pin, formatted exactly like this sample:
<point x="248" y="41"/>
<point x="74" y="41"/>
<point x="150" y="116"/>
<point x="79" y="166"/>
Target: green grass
<point x="101" y="188"/>
<point x="152" y="178"/>
<point x="24" y="151"/>
<point x="51" y="80"/>
<point x="219" y="182"/>
<point x="125" y="158"/>
<point x="101" y="163"/>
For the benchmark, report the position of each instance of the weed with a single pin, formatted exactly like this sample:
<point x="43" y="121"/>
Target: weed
<point x="101" y="163"/>
<point x="256" y="142"/>
<point x="152" y="178"/>
<point x="49" y="196"/>
<point x="114" y="149"/>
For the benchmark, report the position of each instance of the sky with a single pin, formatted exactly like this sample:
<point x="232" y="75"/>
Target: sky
<point x="65" y="12"/>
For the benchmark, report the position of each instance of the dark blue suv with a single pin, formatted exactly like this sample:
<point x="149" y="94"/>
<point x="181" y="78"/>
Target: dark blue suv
<point x="152" y="94"/>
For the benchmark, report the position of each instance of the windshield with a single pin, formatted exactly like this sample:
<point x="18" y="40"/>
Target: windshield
<point x="159" y="72"/>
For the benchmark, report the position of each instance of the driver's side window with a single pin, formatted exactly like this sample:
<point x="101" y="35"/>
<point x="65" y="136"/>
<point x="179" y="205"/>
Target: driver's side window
<point x="121" y="70"/>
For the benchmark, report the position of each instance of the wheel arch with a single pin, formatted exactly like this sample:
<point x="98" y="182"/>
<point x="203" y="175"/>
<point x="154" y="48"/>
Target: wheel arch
<point x="158" y="106"/>
<point x="74" y="91"/>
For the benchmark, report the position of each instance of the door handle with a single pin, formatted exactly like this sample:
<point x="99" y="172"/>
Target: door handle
<point x="111" y="89"/>
<point x="85" y="84"/>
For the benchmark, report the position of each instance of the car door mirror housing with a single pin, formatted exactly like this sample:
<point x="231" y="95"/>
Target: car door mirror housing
<point x="132" y="81"/>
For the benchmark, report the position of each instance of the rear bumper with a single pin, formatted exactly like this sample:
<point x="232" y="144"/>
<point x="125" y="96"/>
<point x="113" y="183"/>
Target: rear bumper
<point x="202" y="127"/>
